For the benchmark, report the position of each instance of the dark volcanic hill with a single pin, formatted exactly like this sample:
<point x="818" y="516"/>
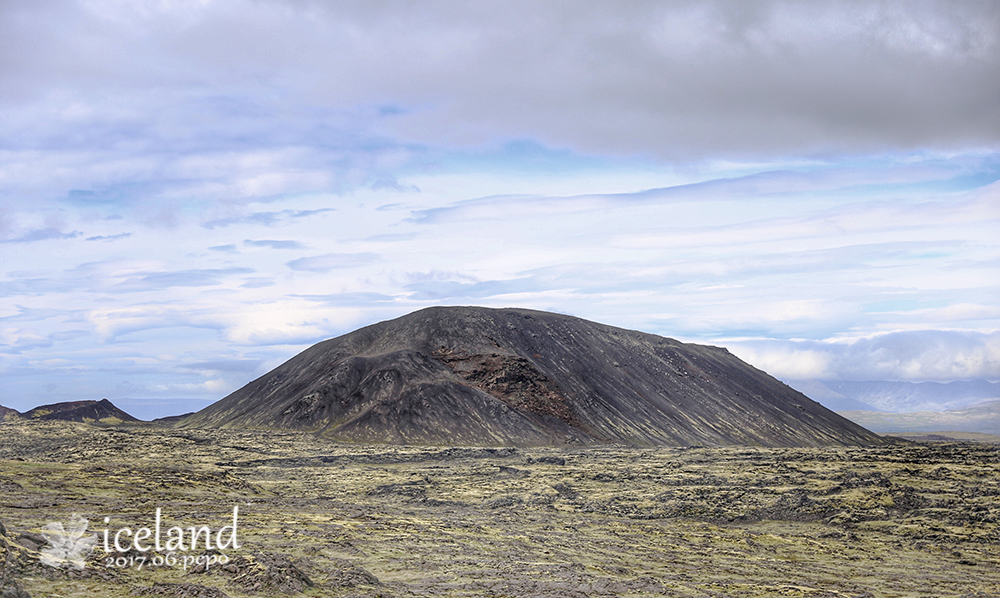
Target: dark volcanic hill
<point x="102" y="411"/>
<point x="6" y="412"/>
<point x="477" y="376"/>
<point x="171" y="419"/>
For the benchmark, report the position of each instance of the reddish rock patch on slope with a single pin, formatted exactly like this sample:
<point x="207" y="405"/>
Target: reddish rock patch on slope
<point x="514" y="380"/>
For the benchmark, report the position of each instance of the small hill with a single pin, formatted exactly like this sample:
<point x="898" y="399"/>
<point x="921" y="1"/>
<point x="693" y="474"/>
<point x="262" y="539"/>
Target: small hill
<point x="102" y="411"/>
<point x="6" y="412"/>
<point x="478" y="376"/>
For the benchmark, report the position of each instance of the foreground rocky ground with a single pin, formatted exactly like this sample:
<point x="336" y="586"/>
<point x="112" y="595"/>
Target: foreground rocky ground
<point x="322" y="519"/>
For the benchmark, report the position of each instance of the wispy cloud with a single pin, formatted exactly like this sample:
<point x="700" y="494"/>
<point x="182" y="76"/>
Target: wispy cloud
<point x="229" y="365"/>
<point x="109" y="237"/>
<point x="272" y="244"/>
<point x="265" y="218"/>
<point x="332" y="261"/>
<point x="155" y="281"/>
<point x="258" y="282"/>
<point x="18" y="340"/>
<point x="44" y="234"/>
<point x="350" y="299"/>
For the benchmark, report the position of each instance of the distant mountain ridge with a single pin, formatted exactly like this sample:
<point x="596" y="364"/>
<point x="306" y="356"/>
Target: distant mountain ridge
<point x="102" y="411"/>
<point x="478" y="376"/>
<point x="896" y="396"/>
<point x="983" y="418"/>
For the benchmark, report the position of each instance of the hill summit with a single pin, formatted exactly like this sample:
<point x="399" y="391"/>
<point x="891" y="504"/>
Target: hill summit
<point x="478" y="376"/>
<point x="103" y="411"/>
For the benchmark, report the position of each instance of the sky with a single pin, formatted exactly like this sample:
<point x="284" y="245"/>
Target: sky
<point x="193" y="191"/>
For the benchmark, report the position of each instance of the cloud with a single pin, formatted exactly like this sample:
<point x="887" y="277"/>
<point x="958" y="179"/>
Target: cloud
<point x="18" y="340"/>
<point x="229" y="365"/>
<point x="265" y="218"/>
<point x="959" y="312"/>
<point x="437" y="290"/>
<point x="153" y="281"/>
<point x="349" y="299"/>
<point x="68" y="335"/>
<point x="44" y="234"/>
<point x="274" y="244"/>
<point x="20" y="313"/>
<point x="923" y="355"/>
<point x="110" y="323"/>
<point x="914" y="356"/>
<point x="683" y="79"/>
<point x="256" y="100"/>
<point x="500" y="207"/>
<point x="109" y="237"/>
<point x="332" y="261"/>
<point x="817" y="177"/>
<point x="290" y="321"/>
<point x="258" y="282"/>
<point x="389" y="238"/>
<point x="386" y="181"/>
<point x="113" y="276"/>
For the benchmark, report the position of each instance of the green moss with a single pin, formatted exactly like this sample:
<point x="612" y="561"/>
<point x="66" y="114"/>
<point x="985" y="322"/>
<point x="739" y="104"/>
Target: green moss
<point x="428" y="522"/>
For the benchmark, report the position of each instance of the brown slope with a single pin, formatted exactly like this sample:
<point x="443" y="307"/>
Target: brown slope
<point x="103" y="411"/>
<point x="6" y="412"/>
<point x="470" y="375"/>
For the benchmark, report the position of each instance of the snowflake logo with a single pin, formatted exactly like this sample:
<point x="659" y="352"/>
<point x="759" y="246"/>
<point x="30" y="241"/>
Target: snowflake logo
<point x="70" y="546"/>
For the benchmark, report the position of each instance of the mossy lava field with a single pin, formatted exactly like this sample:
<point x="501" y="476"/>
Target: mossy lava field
<point x="318" y="518"/>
